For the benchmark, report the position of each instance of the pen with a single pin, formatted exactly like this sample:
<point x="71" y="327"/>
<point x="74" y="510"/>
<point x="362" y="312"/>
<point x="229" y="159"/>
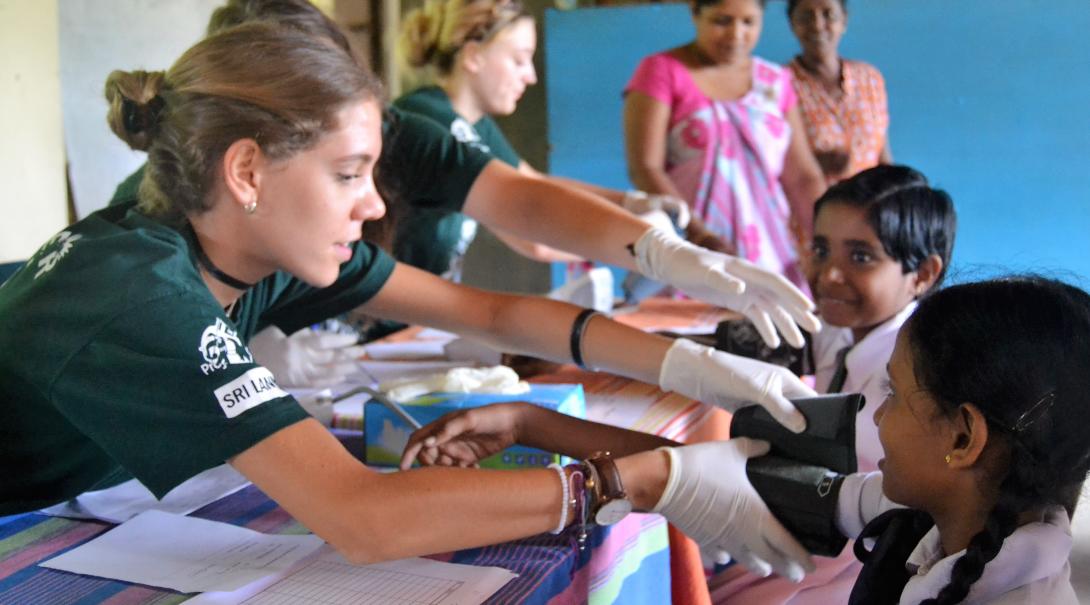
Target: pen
<point x="377" y="395"/>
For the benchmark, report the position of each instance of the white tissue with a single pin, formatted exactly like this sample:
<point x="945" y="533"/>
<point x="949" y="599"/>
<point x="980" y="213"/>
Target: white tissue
<point x="498" y="380"/>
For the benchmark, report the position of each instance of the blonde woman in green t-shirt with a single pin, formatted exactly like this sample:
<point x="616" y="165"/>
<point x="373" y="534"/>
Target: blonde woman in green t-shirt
<point x="474" y="60"/>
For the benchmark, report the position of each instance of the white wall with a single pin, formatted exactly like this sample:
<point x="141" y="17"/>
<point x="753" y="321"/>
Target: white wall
<point x="32" y="204"/>
<point x="97" y="37"/>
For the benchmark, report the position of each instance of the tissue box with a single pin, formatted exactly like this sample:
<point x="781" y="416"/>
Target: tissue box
<point x="386" y="435"/>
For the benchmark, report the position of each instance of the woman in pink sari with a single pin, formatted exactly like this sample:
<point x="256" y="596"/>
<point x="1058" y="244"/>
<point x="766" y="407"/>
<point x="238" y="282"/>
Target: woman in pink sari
<point x="720" y="128"/>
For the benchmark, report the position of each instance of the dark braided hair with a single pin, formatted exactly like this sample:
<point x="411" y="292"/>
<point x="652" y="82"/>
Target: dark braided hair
<point x="1030" y="383"/>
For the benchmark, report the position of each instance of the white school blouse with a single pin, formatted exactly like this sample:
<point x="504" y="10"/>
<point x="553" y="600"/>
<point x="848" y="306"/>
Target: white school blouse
<point x="1031" y="567"/>
<point x="866" y="363"/>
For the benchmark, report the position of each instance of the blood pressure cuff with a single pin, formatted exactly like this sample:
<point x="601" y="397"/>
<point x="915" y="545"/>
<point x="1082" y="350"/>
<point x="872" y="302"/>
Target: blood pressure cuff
<point x="740" y="337"/>
<point x="800" y="477"/>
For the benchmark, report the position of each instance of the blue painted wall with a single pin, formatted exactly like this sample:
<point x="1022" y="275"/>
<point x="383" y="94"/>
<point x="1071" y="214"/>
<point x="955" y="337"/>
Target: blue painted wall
<point x="989" y="98"/>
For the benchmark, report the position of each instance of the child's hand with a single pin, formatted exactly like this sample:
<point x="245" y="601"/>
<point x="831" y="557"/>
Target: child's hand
<point x="465" y="437"/>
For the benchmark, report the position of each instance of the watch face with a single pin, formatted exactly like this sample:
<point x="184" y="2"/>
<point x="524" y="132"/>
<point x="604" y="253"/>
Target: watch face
<point x="612" y="512"/>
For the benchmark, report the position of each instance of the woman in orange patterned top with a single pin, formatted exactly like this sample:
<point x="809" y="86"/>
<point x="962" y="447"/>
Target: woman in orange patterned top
<point x="843" y="102"/>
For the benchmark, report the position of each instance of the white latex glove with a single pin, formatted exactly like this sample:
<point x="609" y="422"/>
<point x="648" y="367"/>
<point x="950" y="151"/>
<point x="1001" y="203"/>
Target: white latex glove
<point x="639" y="202"/>
<point x="307" y="358"/>
<point x="767" y="299"/>
<point x="658" y="219"/>
<point x="709" y="498"/>
<point x="731" y="381"/>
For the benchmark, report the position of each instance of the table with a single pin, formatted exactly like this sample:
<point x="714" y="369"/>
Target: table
<point x="621" y="563"/>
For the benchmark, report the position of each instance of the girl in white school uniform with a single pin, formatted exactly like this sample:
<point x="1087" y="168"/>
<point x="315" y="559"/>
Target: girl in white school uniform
<point x="881" y="239"/>
<point x="984" y="432"/>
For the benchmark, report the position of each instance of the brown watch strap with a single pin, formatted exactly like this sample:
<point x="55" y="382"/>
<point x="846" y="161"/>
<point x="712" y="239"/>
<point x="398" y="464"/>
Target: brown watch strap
<point x="607" y="484"/>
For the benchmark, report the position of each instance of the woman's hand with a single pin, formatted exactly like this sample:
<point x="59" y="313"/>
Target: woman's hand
<point x="466" y="437"/>
<point x="731" y="381"/>
<point x="767" y="299"/>
<point x="708" y="497"/>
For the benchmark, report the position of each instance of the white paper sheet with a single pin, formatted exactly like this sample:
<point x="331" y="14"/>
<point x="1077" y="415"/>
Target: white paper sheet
<point x="413" y="349"/>
<point x="185" y="553"/>
<point x="435" y="334"/>
<point x="328" y="578"/>
<point x="123" y="502"/>
<point x="384" y="371"/>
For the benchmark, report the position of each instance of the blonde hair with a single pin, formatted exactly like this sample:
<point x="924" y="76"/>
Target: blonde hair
<point x="276" y="85"/>
<point x="432" y="35"/>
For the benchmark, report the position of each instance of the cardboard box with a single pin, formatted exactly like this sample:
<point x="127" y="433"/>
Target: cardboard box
<point x="386" y="434"/>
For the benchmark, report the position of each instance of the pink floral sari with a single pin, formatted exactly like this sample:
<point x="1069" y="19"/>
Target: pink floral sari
<point x="726" y="157"/>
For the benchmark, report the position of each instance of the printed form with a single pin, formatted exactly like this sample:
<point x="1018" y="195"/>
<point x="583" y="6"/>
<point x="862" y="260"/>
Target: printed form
<point x="233" y="565"/>
<point x="328" y="579"/>
<point x="186" y="554"/>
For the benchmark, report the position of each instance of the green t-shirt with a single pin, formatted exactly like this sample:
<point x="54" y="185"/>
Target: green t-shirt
<point x="436" y="241"/>
<point x="117" y="361"/>
<point x="484" y="134"/>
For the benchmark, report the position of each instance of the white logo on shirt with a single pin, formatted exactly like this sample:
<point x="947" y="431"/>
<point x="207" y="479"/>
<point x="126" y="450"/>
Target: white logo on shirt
<point x="465" y="133"/>
<point x="221" y="347"/>
<point x="248" y="391"/>
<point x="65" y="239"/>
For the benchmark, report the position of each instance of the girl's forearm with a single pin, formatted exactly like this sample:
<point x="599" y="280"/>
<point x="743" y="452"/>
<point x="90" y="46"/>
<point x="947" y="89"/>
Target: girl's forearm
<point x="577" y="438"/>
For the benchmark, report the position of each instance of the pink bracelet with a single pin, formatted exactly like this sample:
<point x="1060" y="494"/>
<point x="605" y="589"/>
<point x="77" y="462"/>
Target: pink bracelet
<point x="579" y="499"/>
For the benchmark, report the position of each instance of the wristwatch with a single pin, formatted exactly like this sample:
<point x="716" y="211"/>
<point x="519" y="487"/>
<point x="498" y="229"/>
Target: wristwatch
<point x="609" y="503"/>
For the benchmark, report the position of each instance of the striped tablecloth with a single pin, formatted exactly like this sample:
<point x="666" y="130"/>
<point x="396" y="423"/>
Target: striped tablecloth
<point x="625" y="563"/>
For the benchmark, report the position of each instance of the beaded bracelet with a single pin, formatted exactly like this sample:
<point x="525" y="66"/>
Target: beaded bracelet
<point x="565" y="497"/>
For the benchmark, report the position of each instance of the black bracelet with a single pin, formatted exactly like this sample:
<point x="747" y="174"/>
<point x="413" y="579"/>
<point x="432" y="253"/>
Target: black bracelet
<point x="578" y="327"/>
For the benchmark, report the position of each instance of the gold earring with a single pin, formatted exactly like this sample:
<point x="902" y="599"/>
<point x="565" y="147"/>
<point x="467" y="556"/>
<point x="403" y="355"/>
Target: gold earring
<point x="948" y="458"/>
<point x="250" y="207"/>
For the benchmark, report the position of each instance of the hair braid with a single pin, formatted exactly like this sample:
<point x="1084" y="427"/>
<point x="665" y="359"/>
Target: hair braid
<point x="984" y="547"/>
<point x="1023" y="488"/>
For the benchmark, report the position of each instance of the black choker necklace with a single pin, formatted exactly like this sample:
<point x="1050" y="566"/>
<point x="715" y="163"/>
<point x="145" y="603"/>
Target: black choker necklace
<point x="212" y="269"/>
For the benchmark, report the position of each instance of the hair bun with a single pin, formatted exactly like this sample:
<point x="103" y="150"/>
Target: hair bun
<point x="135" y="105"/>
<point x="420" y="32"/>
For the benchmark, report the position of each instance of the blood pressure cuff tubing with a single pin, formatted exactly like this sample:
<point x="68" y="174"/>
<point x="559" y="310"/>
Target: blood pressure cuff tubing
<point x="799" y="479"/>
